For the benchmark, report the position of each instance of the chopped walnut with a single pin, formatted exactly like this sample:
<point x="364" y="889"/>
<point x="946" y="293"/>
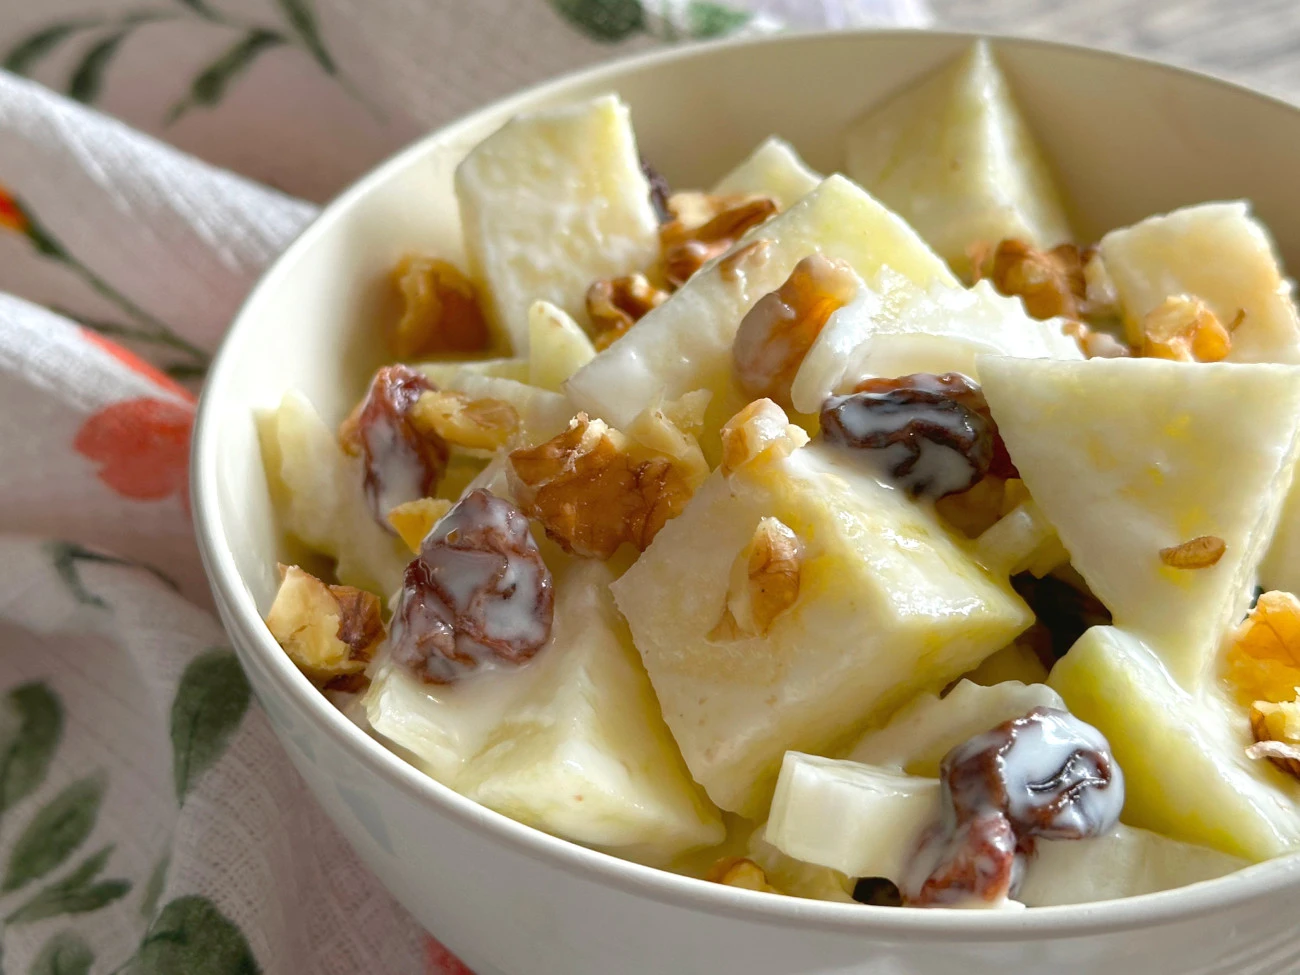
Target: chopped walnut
<point x="687" y="411"/>
<point x="764" y="582"/>
<point x="1276" y="728"/>
<point x="743" y="260"/>
<point x="1197" y="553"/>
<point x="476" y="424"/>
<point x="1050" y="283"/>
<point x="1096" y="344"/>
<point x="441" y="310"/>
<point x="740" y="872"/>
<point x="760" y="427"/>
<point x="1262" y="661"/>
<point x="617" y="304"/>
<point x="654" y="429"/>
<point x="592" y="490"/>
<point x="415" y="519"/>
<point x="778" y="331"/>
<point x="327" y="631"/>
<point x="685" y="248"/>
<point x="1185" y="329"/>
<point x="1099" y="287"/>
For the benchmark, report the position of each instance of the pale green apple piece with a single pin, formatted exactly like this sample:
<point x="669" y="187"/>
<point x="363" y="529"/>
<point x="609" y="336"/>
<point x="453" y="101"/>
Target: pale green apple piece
<point x="955" y="158"/>
<point x="445" y="372"/>
<point x="551" y="203"/>
<point x="557" y="346"/>
<point x="1127" y="457"/>
<point x="773" y="170"/>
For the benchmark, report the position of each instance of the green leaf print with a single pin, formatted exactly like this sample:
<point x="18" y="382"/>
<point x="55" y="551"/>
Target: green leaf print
<point x="31" y="724"/>
<point x="75" y="893"/>
<point x="88" y="77"/>
<point x="192" y="937"/>
<point x="209" y="704"/>
<point x="604" y="20"/>
<point x="58" y="828"/>
<point x="65" y="953"/>
<point x="23" y="56"/>
<point x="209" y="86"/>
<point x="154" y="887"/>
<point x="67" y="555"/>
<point x="302" y="19"/>
<point x="705" y="20"/>
<point x="201" y="8"/>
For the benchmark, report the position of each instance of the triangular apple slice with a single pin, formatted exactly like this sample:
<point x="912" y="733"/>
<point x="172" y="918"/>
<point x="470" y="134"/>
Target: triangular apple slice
<point x="1131" y="458"/>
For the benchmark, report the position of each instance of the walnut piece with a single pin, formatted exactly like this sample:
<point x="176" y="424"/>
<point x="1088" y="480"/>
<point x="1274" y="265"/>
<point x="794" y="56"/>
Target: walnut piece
<point x="615" y="305"/>
<point x="441" y="310"/>
<point x="476" y="424"/>
<point x="1262" y="661"/>
<point x="1197" y="553"/>
<point x="760" y="427"/>
<point x="1096" y="344"/>
<point x="415" y="519"/>
<point x="656" y="430"/>
<point x="1276" y="728"/>
<point x="593" y="490"/>
<point x="740" y="872"/>
<point x="778" y="331"/>
<point x="327" y="631"/>
<point x="685" y="247"/>
<point x="1049" y="283"/>
<point x="764" y="582"/>
<point x="1184" y="328"/>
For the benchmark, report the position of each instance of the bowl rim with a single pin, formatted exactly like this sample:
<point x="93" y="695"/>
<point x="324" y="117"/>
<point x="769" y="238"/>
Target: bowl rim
<point x="1252" y="883"/>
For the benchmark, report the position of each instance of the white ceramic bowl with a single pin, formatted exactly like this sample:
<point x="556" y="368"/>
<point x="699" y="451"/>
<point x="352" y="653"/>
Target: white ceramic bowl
<point x="1129" y="138"/>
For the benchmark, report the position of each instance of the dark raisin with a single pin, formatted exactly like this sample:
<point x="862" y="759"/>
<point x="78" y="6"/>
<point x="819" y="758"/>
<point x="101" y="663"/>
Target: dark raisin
<point x="1064" y="612"/>
<point x="878" y="891"/>
<point x="659" y="191"/>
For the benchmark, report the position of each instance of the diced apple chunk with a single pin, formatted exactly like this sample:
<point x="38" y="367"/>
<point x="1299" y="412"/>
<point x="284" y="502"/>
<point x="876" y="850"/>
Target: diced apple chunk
<point x="552" y="202"/>
<point x="1216" y="252"/>
<point x="318" y="494"/>
<point x="1186" y="773"/>
<point x="887" y="605"/>
<point x="896" y="329"/>
<point x="860" y="820"/>
<point x="918" y="737"/>
<point x="773" y="170"/>
<point x="685" y="343"/>
<point x="953" y="156"/>
<point x="570" y="743"/>
<point x="1129" y="457"/>
<point x="1124" y="863"/>
<point x="557" y="346"/>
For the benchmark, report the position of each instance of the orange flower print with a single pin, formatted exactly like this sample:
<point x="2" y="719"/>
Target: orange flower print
<point x="141" y="446"/>
<point x="137" y="365"/>
<point x="439" y="961"/>
<point x="12" y="216"/>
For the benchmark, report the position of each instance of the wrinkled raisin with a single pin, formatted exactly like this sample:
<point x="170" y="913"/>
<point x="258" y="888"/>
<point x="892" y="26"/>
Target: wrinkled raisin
<point x="659" y="191"/>
<point x="477" y="595"/>
<point x="1063" y="613"/>
<point x="932" y="435"/>
<point x="402" y="462"/>
<point x="1047" y="775"/>
<point x="877" y="891"/>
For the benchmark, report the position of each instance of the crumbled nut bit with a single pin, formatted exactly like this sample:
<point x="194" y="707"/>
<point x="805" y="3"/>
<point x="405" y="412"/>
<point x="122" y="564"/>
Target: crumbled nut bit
<point x="1050" y="283"/>
<point x="1096" y="344"/>
<point x="1099" y="290"/>
<point x="659" y="191"/>
<point x="740" y="872"/>
<point x="760" y="427"/>
<point x="654" y="429"/>
<point x="931" y="435"/>
<point x="478" y="595"/>
<point x="1277" y="736"/>
<point x="476" y="424"/>
<point x="778" y="331"/>
<point x="441" y="313"/>
<point x="1262" y="662"/>
<point x="1185" y="329"/>
<point x="415" y="519"/>
<point x="592" y="490"/>
<point x="402" y="462"/>
<point x="764" y="582"/>
<point x="327" y="631"/>
<point x="614" y="306"/>
<point x="686" y="249"/>
<point x="687" y="411"/>
<point x="1197" y="553"/>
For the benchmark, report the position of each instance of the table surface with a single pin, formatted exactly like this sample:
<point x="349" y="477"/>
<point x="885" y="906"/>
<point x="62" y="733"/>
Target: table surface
<point x="1255" y="42"/>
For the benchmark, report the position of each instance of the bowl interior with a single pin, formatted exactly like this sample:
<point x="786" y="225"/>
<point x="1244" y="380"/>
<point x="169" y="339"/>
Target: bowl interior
<point x="1128" y="139"/>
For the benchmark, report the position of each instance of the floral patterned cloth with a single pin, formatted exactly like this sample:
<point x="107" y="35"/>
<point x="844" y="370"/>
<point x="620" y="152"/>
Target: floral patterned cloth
<point x="149" y="823"/>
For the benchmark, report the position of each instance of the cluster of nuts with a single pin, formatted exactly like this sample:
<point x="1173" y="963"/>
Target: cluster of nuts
<point x="616" y="304"/>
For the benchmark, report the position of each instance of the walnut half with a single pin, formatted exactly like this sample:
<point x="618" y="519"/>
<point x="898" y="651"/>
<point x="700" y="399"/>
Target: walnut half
<point x="593" y="490"/>
<point x="764" y="582"/>
<point x="328" y="631"/>
<point x="441" y="310"/>
<point x="686" y="246"/>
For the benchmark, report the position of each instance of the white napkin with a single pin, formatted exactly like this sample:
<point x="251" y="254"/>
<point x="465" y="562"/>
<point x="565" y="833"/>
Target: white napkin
<point x="148" y="820"/>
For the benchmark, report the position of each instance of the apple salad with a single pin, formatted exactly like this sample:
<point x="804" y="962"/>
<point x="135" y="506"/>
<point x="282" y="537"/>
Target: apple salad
<point x="866" y="537"/>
